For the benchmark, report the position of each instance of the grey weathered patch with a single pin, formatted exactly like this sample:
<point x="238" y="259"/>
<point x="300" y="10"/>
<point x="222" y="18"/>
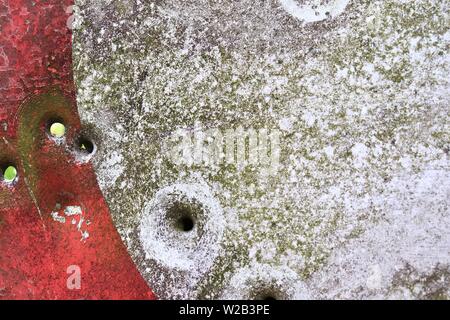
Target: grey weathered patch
<point x="360" y="100"/>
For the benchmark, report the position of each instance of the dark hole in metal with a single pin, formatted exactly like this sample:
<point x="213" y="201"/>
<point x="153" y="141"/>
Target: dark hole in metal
<point x="185" y="223"/>
<point x="86" y="145"/>
<point x="269" y="293"/>
<point x="183" y="215"/>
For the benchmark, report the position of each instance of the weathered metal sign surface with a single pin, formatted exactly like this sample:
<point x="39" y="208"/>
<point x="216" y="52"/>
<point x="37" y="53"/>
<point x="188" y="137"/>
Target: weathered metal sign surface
<point x="57" y="240"/>
<point x="293" y="149"/>
<point x="287" y="149"/>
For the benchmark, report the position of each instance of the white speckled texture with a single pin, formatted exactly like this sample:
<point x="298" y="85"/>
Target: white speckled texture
<point x="359" y="206"/>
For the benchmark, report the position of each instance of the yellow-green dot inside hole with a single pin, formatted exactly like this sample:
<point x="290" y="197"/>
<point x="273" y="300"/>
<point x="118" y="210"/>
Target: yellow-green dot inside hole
<point x="57" y="130"/>
<point x="10" y="174"/>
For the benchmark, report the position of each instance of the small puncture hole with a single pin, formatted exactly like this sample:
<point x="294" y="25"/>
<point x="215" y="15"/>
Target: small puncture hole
<point x="268" y="294"/>
<point x="183" y="216"/>
<point x="86" y="146"/>
<point x="57" y="129"/>
<point x="8" y="173"/>
<point x="185" y="224"/>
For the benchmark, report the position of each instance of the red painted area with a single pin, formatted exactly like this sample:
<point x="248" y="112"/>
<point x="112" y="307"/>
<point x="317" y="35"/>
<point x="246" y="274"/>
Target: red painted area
<point x="35" y="250"/>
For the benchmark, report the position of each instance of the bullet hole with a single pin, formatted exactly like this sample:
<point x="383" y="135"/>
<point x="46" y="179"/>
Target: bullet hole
<point x="183" y="216"/>
<point x="8" y="173"/>
<point x="85" y="145"/>
<point x="268" y="294"/>
<point x="185" y="224"/>
<point x="57" y="129"/>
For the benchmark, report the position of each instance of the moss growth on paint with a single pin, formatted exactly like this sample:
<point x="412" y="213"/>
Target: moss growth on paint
<point x="33" y="117"/>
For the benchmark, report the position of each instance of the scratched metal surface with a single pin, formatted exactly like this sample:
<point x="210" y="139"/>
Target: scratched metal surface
<point x="357" y="92"/>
